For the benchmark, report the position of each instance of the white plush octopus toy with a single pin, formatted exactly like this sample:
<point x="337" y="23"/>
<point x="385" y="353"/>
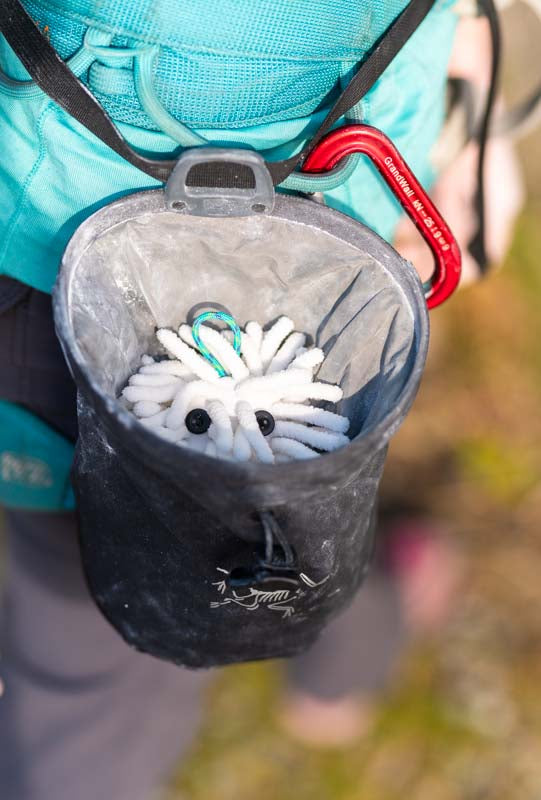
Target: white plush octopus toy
<point x="238" y="395"/>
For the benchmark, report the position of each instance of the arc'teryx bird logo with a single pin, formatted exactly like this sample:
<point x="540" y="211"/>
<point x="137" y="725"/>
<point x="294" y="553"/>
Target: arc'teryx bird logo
<point x="274" y="599"/>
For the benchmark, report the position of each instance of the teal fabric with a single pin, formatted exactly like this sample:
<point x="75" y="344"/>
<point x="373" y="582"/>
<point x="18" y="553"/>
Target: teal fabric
<point x="223" y="63"/>
<point x="35" y="463"/>
<point x="256" y="74"/>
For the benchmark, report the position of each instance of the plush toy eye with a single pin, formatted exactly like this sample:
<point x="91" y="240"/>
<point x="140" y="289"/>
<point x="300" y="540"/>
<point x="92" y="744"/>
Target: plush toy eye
<point x="198" y="421"/>
<point x="265" y="422"/>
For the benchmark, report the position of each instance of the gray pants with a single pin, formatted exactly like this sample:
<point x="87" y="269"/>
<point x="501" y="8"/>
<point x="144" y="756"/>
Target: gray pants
<point x="84" y="717"/>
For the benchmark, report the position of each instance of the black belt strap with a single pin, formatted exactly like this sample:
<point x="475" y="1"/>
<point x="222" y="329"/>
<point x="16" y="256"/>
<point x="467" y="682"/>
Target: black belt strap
<point x="55" y="78"/>
<point x="477" y="245"/>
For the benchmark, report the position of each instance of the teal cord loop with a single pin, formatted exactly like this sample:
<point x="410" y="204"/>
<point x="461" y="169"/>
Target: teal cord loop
<point x="203" y="349"/>
<point x="79" y="63"/>
<point x="143" y="71"/>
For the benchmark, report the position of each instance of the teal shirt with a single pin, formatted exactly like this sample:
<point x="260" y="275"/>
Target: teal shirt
<point x="252" y="74"/>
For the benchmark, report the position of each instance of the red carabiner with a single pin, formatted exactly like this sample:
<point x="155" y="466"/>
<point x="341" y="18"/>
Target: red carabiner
<point x="407" y="189"/>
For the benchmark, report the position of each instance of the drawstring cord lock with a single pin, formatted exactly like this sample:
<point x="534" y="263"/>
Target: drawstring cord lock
<point x="276" y="568"/>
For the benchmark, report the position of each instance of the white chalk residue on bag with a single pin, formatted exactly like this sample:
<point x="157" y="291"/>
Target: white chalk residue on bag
<point x="259" y="411"/>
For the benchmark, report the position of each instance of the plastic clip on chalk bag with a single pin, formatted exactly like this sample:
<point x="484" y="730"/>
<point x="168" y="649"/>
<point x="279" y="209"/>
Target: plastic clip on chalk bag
<point x="205" y="561"/>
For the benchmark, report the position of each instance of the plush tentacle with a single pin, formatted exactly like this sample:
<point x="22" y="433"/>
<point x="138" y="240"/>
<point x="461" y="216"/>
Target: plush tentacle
<point x="286" y="353"/>
<point x="194" y="442"/>
<point x="250" y="351"/>
<point x="185" y="333"/>
<point x="313" y="391"/>
<point x="295" y="450"/>
<point x="187" y="355"/>
<point x="277" y="383"/>
<point x="156" y="420"/>
<point x="146" y="360"/>
<point x="308" y="359"/>
<point x="152" y="380"/>
<point x="167" y="433"/>
<point x="315" y="437"/>
<point x="255" y="332"/>
<point x="146" y="408"/>
<point x="310" y="414"/>
<point x="221" y="430"/>
<point x="221" y="349"/>
<point x="248" y="422"/>
<point x="241" y="446"/>
<point x="210" y="449"/>
<point x="157" y="394"/>
<point x="273" y="338"/>
<point x="191" y="395"/>
<point x="168" y="367"/>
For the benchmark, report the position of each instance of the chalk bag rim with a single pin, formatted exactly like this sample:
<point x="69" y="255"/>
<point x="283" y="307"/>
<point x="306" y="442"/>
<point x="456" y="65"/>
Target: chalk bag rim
<point x="295" y="210"/>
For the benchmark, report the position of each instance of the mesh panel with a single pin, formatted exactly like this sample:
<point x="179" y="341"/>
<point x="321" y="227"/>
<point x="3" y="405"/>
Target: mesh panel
<point x="223" y="63"/>
<point x="65" y="33"/>
<point x="316" y="29"/>
<point x="221" y="175"/>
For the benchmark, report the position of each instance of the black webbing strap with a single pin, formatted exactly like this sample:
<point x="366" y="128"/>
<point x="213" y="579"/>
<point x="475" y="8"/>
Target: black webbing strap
<point x="55" y="78"/>
<point x="477" y="245"/>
